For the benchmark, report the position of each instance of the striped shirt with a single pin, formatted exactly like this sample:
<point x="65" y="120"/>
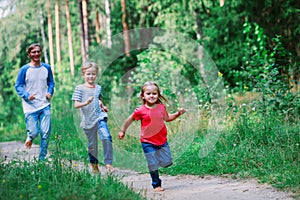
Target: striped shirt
<point x="91" y="113"/>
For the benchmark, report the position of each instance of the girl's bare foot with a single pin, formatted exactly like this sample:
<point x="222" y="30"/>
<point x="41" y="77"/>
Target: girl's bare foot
<point x="110" y="168"/>
<point x="159" y="189"/>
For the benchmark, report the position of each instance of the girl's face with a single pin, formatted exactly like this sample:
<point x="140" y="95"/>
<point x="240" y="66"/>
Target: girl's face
<point x="150" y="95"/>
<point x="90" y="76"/>
<point x="35" y="54"/>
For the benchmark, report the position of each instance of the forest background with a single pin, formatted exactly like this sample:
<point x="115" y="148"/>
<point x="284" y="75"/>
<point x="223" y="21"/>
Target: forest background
<point x="254" y="44"/>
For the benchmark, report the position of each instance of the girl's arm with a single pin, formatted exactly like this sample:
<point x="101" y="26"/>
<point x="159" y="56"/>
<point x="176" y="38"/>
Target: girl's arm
<point x="126" y="124"/>
<point x="174" y="116"/>
<point x="78" y="104"/>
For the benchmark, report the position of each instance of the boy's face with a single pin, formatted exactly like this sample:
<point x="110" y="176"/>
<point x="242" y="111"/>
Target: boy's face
<point x="90" y="75"/>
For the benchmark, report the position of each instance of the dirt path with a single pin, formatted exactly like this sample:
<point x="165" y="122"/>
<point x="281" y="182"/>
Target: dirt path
<point x="176" y="187"/>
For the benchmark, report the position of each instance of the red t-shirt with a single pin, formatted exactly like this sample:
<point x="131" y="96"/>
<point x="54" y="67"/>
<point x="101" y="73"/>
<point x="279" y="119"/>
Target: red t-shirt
<point x="153" y="128"/>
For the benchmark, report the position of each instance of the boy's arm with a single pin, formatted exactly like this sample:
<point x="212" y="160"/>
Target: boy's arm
<point x="102" y="106"/>
<point x="126" y="124"/>
<point x="171" y="117"/>
<point x="78" y="104"/>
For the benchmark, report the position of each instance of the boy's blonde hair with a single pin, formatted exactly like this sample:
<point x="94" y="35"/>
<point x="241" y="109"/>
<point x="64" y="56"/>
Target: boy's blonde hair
<point x="86" y="65"/>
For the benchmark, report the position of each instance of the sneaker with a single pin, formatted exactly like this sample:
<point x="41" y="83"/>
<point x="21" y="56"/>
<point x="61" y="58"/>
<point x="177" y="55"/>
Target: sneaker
<point x="95" y="169"/>
<point x="28" y="144"/>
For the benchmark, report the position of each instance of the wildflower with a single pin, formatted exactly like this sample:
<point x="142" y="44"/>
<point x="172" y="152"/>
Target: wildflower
<point x="39" y="186"/>
<point x="220" y="74"/>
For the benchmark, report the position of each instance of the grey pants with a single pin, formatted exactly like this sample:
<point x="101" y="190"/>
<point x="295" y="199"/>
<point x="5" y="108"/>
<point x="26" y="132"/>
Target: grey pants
<point x="102" y="129"/>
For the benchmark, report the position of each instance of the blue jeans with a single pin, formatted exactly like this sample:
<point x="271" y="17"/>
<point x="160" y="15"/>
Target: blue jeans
<point x="157" y="156"/>
<point x="39" y="122"/>
<point x="102" y="129"/>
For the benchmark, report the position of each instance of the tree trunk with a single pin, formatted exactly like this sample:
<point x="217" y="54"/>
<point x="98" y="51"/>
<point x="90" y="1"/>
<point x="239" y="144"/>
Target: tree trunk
<point x="43" y="37"/>
<point x="50" y="37"/>
<point x="70" y="38"/>
<point x="83" y="50"/>
<point x="125" y="29"/>
<point x="108" y="31"/>
<point x="222" y="3"/>
<point x="98" y="39"/>
<point x="199" y="31"/>
<point x="85" y="26"/>
<point x="57" y="36"/>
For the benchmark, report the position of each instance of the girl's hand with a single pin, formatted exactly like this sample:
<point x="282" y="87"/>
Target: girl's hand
<point x="181" y="111"/>
<point x="121" y="135"/>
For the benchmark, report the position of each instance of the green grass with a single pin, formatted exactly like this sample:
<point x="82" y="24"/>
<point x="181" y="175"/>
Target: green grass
<point x="247" y="149"/>
<point x="251" y="145"/>
<point x="55" y="180"/>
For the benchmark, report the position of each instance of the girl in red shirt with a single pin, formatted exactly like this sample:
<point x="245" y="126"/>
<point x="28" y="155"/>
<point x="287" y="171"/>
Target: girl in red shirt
<point x="153" y="136"/>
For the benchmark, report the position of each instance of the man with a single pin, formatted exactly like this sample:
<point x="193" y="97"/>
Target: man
<point x="35" y="85"/>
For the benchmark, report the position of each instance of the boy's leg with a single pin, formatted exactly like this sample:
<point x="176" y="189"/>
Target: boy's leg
<point x="91" y="135"/>
<point x="106" y="141"/>
<point x="32" y="128"/>
<point x="45" y="128"/>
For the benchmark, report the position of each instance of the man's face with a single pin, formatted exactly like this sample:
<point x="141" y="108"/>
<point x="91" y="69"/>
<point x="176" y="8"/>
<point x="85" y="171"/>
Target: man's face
<point x="35" y="54"/>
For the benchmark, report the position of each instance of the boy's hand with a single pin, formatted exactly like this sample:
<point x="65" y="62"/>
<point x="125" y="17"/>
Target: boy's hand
<point x="104" y="108"/>
<point x="89" y="100"/>
<point x="121" y="135"/>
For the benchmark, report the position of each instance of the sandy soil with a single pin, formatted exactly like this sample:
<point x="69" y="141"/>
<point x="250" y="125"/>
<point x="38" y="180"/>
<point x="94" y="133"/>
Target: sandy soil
<point x="176" y="187"/>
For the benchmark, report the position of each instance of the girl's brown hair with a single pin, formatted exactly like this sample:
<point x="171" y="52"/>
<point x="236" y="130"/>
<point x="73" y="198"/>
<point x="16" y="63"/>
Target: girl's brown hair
<point x="160" y="96"/>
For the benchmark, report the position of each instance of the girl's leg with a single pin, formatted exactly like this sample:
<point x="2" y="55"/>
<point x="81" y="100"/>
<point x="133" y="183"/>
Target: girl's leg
<point x="107" y="142"/>
<point x="164" y="155"/>
<point x="153" y="163"/>
<point x="156" y="182"/>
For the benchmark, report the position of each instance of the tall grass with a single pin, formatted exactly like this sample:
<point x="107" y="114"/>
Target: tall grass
<point x="55" y="178"/>
<point x="46" y="180"/>
<point x="251" y="145"/>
